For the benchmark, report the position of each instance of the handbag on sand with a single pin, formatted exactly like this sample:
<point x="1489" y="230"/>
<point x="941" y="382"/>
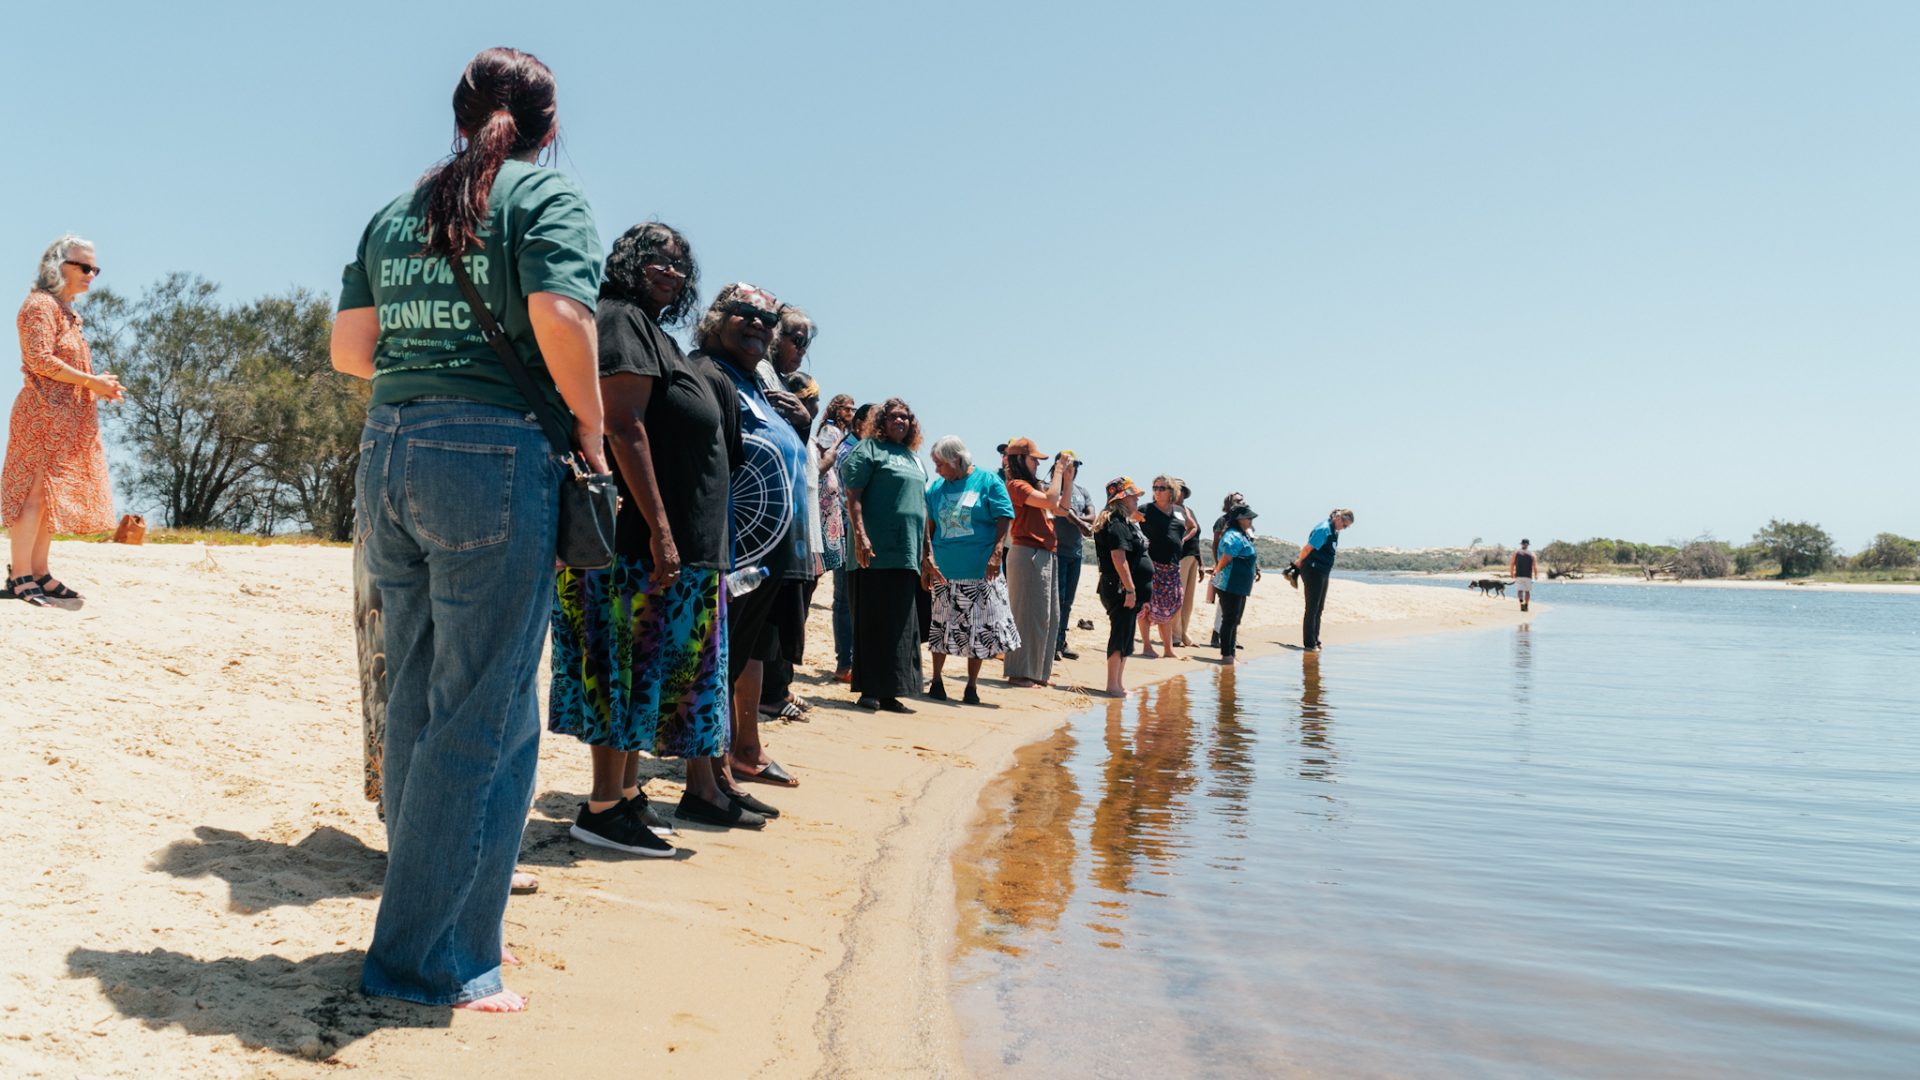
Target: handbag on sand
<point x="132" y="530"/>
<point x="588" y="500"/>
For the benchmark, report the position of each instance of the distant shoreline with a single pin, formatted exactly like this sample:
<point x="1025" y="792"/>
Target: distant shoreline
<point x="1693" y="583"/>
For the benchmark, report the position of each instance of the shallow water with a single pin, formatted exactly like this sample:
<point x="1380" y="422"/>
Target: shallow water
<point x="1657" y="833"/>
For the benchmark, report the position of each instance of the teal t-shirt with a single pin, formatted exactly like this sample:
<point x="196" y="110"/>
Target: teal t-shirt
<point x="1237" y="578"/>
<point x="963" y="513"/>
<point x="893" y="504"/>
<point x="539" y="237"/>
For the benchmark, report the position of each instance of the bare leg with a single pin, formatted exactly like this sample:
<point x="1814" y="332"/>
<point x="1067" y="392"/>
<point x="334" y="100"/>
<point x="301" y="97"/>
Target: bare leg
<point x="609" y="773"/>
<point x="630" y="779"/>
<point x="1166" y="638"/>
<point x="973" y="669"/>
<point x="703" y="780"/>
<point x="746" y="716"/>
<point x="940" y="664"/>
<point x="1116" y="663"/>
<point x="1146" y="635"/>
<point x="24" y="535"/>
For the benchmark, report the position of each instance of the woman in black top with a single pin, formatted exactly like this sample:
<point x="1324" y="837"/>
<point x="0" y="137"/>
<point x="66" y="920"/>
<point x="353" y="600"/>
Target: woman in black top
<point x="1126" y="574"/>
<point x="1167" y="526"/>
<point x="637" y="657"/>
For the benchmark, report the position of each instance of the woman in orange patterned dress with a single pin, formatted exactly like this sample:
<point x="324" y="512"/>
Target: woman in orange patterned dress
<point x="55" y="478"/>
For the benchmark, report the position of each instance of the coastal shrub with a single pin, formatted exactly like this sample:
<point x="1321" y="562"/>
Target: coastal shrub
<point x="1800" y="547"/>
<point x="1703" y="558"/>
<point x="1888" y="551"/>
<point x="1743" y="559"/>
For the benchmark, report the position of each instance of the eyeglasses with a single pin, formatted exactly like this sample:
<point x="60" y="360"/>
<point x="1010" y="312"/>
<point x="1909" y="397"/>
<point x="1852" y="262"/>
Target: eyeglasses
<point x="675" y="267"/>
<point x="900" y="418"/>
<point x="798" y="341"/>
<point x="85" y="268"/>
<point x="745" y="310"/>
<point x="1161" y="487"/>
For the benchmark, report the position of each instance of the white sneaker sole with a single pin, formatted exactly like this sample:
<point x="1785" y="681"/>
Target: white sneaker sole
<point x="586" y="837"/>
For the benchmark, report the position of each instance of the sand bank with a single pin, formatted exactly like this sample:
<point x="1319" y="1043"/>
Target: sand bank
<point x="193" y="872"/>
<point x="1544" y="588"/>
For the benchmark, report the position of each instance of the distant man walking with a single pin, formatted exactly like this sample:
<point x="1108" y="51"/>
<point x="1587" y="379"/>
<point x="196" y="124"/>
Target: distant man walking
<point x="1521" y="569"/>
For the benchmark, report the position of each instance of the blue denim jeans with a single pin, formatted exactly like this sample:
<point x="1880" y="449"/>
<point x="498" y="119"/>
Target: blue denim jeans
<point x="455" y="504"/>
<point x="1067" y="576"/>
<point x="842" y="621"/>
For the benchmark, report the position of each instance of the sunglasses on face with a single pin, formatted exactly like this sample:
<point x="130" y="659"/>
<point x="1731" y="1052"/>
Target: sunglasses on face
<point x="85" y="268"/>
<point x="671" y="266"/>
<point x="1161" y="487"/>
<point x="744" y="310"/>
<point x="900" y="418"/>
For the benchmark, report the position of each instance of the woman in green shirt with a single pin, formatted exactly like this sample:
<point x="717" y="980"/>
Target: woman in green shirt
<point x="886" y="497"/>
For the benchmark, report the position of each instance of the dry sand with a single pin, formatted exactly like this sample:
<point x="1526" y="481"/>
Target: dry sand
<point x="192" y="872"/>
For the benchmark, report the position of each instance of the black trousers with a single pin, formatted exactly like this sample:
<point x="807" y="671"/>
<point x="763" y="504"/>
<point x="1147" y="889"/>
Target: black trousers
<point x="1315" y="584"/>
<point x="1232" y="607"/>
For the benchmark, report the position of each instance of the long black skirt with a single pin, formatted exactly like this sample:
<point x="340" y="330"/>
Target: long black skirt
<point x="886" y="632"/>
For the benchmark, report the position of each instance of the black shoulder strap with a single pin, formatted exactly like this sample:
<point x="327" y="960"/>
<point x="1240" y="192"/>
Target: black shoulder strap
<point x="555" y="428"/>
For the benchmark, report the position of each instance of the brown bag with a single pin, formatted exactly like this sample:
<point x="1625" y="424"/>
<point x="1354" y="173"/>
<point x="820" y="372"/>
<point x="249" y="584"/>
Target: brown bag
<point x="132" y="530"/>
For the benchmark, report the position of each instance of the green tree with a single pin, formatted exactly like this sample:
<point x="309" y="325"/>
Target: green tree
<point x="1800" y="547"/>
<point x="306" y="416"/>
<point x="186" y="414"/>
<point x="1889" y="551"/>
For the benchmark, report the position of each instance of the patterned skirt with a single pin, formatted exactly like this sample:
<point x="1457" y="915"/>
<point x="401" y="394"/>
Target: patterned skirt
<point x="973" y="619"/>
<point x="1165" y="603"/>
<point x="641" y="670"/>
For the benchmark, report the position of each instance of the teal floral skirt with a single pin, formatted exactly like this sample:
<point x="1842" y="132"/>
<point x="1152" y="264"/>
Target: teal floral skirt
<point x="635" y="669"/>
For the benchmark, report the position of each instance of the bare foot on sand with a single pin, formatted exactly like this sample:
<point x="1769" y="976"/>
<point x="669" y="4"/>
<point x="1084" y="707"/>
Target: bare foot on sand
<point x="506" y="1001"/>
<point x="507" y="957"/>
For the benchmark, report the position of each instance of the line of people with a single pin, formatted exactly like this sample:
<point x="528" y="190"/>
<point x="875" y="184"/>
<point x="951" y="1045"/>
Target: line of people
<point x="731" y="509"/>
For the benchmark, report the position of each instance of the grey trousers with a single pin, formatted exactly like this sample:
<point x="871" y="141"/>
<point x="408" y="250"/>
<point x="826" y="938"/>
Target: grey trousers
<point x="1036" y="612"/>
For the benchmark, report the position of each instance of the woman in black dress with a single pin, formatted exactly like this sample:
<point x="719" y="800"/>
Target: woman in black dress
<point x="1126" y="574"/>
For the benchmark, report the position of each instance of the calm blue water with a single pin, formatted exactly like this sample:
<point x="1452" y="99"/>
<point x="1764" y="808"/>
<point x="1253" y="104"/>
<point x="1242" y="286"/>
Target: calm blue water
<point x="1659" y="832"/>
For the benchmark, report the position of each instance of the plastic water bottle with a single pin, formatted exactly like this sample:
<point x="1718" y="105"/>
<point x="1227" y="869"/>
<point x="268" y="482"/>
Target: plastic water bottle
<point x="745" y="580"/>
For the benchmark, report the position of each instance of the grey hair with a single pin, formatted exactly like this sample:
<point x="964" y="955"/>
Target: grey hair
<point x="49" y="278"/>
<point x="950" y="449"/>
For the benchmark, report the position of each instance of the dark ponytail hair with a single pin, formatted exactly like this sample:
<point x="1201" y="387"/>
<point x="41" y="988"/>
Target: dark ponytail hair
<point x="502" y="107"/>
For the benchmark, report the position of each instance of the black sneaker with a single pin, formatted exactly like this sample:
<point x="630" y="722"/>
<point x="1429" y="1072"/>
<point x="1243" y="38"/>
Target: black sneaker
<point x="753" y="805"/>
<point x="731" y="816"/>
<point x="620" y="828"/>
<point x="650" y="815"/>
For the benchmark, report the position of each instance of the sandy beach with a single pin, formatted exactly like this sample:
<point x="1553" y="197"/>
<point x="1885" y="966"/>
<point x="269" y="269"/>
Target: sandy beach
<point x="193" y="872"/>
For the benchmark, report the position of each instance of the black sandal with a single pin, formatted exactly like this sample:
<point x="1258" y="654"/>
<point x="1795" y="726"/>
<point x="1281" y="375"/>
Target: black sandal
<point x="56" y="589"/>
<point x="26" y="588"/>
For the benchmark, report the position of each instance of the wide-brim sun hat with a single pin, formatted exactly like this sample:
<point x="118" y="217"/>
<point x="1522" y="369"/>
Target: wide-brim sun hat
<point x="1121" y="486"/>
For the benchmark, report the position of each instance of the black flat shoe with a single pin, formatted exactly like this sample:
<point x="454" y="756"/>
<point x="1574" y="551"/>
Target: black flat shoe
<point x="730" y="816"/>
<point x="894" y="704"/>
<point x="871" y="704"/>
<point x="1069" y="654"/>
<point x="937" y="690"/>
<point x="752" y="805"/>
<point x="971" y="696"/>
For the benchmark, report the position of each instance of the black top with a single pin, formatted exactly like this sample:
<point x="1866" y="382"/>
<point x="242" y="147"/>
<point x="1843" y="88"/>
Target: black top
<point x="1191" y="549"/>
<point x="1166" y="532"/>
<point x="1119" y="534"/>
<point x="693" y="432"/>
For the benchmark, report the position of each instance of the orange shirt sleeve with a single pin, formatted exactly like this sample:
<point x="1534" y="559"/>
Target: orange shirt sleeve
<point x="39" y="333"/>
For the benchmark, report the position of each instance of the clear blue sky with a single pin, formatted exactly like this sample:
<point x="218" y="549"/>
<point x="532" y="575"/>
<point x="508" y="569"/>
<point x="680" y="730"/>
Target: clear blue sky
<point x="1495" y="270"/>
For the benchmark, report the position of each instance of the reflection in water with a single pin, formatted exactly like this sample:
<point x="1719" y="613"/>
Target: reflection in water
<point x="1015" y="874"/>
<point x="1317" y="756"/>
<point x="1140" y="814"/>
<point x="1230" y="757"/>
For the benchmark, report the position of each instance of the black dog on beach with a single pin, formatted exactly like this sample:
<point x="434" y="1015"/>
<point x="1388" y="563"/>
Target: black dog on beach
<point x="1489" y="587"/>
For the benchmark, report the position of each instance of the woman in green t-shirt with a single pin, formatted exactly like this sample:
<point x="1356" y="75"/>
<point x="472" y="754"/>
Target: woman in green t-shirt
<point x="886" y="496"/>
<point x="456" y="507"/>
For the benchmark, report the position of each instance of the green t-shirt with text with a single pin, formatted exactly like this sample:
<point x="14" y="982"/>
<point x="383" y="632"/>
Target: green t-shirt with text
<point x="539" y="237"/>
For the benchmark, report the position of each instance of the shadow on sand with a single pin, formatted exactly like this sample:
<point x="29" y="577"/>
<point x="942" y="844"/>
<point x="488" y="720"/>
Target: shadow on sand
<point x="308" y="1008"/>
